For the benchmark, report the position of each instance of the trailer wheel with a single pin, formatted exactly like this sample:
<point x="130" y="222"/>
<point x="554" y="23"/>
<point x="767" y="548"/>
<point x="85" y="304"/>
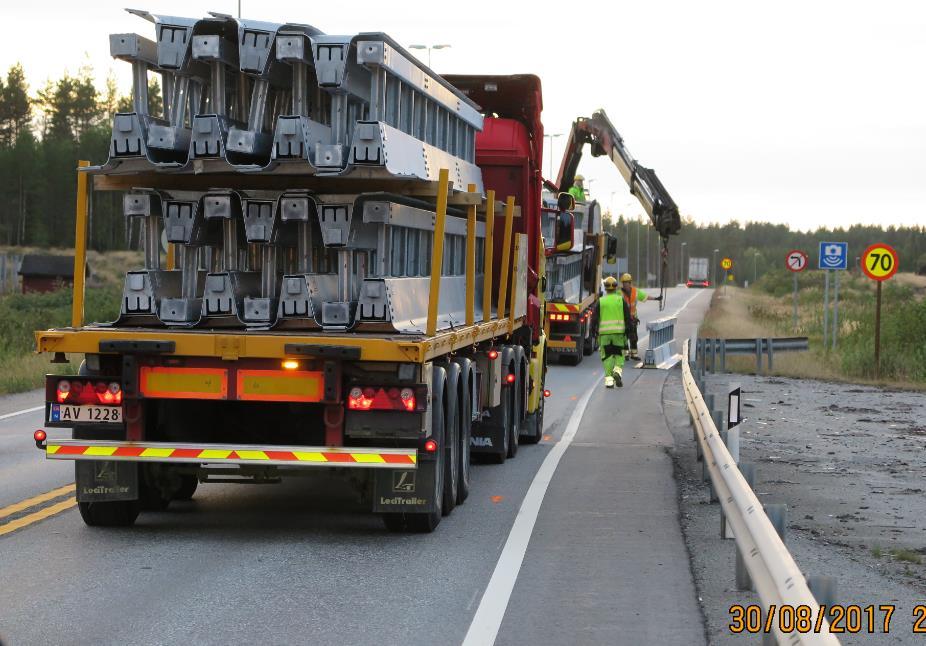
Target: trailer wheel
<point x="517" y="401"/>
<point x="428" y="521"/>
<point x="533" y="425"/>
<point x="120" y="513"/>
<point x="504" y="412"/>
<point x="188" y="485"/>
<point x="465" y="409"/>
<point x="451" y="439"/>
<point x="154" y="491"/>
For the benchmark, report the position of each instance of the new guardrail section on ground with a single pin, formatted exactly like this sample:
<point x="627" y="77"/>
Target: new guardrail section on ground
<point x="777" y="579"/>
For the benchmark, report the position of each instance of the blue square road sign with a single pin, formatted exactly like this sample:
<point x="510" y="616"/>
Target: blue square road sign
<point x="834" y="255"/>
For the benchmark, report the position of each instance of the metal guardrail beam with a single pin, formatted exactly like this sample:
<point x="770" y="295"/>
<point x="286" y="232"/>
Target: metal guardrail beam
<point x="768" y="346"/>
<point x="778" y="580"/>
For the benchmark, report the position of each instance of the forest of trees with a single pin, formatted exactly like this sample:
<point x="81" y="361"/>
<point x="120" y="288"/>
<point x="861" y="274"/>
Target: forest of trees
<point x="44" y="132"/>
<point x="758" y="247"/>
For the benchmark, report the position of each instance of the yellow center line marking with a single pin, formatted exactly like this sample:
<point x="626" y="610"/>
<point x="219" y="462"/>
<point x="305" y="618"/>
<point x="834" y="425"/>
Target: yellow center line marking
<point x="36" y="516"/>
<point x="36" y="500"/>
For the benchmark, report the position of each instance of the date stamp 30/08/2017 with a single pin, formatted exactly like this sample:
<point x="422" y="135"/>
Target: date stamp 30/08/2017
<point x="841" y="619"/>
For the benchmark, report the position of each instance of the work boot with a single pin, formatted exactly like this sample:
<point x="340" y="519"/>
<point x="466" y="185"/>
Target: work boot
<point x="633" y="355"/>
<point x="609" y="382"/>
<point x="618" y="379"/>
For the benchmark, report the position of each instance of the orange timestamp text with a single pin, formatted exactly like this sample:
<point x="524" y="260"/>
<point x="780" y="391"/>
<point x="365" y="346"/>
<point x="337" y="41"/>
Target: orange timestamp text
<point x="752" y="618"/>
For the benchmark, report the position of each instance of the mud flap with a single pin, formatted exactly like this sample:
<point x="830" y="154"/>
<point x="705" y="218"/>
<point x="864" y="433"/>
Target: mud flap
<point x="106" y="481"/>
<point x="489" y="435"/>
<point x="407" y="491"/>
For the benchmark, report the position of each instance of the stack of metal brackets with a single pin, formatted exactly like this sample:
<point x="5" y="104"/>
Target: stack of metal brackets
<point x="245" y="99"/>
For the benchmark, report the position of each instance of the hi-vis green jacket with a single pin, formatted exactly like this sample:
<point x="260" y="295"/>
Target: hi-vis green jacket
<point x="611" y="311"/>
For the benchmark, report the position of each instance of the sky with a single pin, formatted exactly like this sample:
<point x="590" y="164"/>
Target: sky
<point x="807" y="113"/>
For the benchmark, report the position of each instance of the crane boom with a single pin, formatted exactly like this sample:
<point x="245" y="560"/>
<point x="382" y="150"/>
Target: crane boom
<point x="643" y="182"/>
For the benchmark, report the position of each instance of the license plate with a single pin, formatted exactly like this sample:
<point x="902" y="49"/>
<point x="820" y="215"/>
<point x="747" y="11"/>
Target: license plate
<point x="88" y="414"/>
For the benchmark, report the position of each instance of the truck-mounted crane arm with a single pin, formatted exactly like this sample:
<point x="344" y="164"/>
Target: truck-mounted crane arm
<point x="643" y="182"/>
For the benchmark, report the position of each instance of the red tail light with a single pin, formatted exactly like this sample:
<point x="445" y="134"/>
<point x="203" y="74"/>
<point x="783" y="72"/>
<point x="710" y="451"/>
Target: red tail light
<point x="510" y="378"/>
<point x="493" y="354"/>
<point x="547" y="393"/>
<point x="387" y="398"/>
<point x="80" y="391"/>
<point x="430" y="446"/>
<point x="40" y="435"/>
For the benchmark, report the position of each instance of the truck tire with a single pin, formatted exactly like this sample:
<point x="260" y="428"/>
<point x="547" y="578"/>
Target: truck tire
<point x="426" y="522"/>
<point x="576" y="359"/>
<point x="451" y="438"/>
<point x="533" y="424"/>
<point x="188" y="485"/>
<point x="591" y="342"/>
<point x="153" y="491"/>
<point x="517" y="403"/>
<point x="504" y="413"/>
<point x="109" y="514"/>
<point x="465" y="408"/>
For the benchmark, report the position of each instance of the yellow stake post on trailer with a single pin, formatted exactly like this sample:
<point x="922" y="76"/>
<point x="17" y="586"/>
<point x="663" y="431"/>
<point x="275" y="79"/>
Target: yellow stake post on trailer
<point x="437" y="250"/>
<point x="471" y="260"/>
<point x="80" y="247"/>
<point x="489" y="250"/>
<point x="506" y="257"/>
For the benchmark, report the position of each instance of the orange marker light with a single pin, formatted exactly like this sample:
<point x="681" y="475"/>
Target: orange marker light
<point x="290" y="364"/>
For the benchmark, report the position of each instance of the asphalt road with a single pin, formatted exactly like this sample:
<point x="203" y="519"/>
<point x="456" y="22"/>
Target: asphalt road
<point x="297" y="562"/>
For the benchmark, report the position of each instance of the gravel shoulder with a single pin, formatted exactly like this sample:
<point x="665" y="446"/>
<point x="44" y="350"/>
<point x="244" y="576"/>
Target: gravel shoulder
<point x="850" y="463"/>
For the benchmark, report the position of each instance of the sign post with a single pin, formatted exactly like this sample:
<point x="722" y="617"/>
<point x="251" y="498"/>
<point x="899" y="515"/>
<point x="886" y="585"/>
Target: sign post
<point x="727" y="264"/>
<point x="796" y="262"/>
<point x="879" y="262"/>
<point x="833" y="256"/>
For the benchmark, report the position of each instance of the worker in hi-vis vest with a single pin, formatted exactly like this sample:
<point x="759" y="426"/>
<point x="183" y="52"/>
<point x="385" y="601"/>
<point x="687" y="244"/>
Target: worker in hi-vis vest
<point x="577" y="190"/>
<point x="612" y="312"/>
<point x="632" y="296"/>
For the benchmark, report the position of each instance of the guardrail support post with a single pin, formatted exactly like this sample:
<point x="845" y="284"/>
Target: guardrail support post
<point x="743" y="582"/>
<point x="823" y="589"/>
<point x="771" y="354"/>
<point x="713" y="343"/>
<point x="778" y="514"/>
<point x="758" y="357"/>
<point x="723" y="355"/>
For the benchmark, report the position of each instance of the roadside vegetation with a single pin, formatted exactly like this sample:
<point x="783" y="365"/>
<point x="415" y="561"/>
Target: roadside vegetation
<point x="766" y="310"/>
<point x="22" y="314"/>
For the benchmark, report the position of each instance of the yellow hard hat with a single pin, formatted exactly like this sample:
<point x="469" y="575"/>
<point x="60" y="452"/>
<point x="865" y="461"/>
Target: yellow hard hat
<point x="626" y="278"/>
<point x="579" y="178"/>
<point x="610" y="283"/>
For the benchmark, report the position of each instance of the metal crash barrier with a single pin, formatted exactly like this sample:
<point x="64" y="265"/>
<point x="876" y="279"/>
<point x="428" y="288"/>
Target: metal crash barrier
<point x="776" y="577"/>
<point x="663" y="349"/>
<point x="709" y="350"/>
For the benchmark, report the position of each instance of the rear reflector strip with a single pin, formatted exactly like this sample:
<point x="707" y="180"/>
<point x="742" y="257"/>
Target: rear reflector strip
<point x="183" y="383"/>
<point x="230" y="454"/>
<point x="279" y="385"/>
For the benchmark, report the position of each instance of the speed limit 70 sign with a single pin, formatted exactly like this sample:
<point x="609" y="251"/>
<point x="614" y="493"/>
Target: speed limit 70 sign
<point x="879" y="262"/>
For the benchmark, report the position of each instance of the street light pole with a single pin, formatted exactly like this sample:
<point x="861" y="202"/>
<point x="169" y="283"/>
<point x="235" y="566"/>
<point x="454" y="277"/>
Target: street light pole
<point x="550" y="137"/>
<point x="755" y="267"/>
<point x="429" y="48"/>
<point x="714" y="267"/>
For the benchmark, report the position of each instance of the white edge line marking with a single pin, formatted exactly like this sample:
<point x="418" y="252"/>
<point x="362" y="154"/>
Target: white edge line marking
<point x="483" y="630"/>
<point x="491" y="611"/>
<point x="22" y="412"/>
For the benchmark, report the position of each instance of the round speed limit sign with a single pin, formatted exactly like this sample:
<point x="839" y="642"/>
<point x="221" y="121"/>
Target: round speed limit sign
<point x="879" y="262"/>
<point x="727" y="264"/>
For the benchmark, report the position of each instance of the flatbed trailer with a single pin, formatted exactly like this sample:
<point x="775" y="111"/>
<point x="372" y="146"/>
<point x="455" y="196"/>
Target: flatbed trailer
<point x="395" y="389"/>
